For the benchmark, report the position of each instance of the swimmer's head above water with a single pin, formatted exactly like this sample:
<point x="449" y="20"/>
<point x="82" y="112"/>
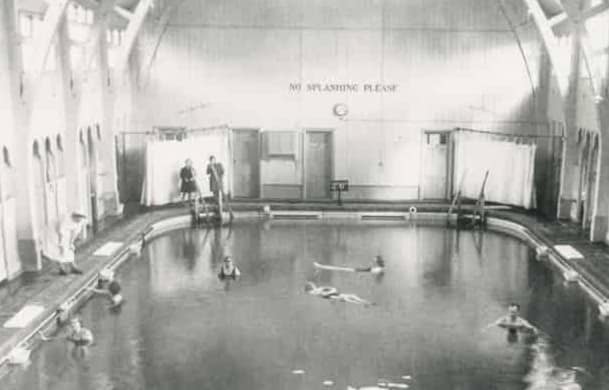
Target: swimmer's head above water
<point x="310" y="286"/>
<point x="75" y="324"/>
<point x="513" y="310"/>
<point x="378" y="260"/>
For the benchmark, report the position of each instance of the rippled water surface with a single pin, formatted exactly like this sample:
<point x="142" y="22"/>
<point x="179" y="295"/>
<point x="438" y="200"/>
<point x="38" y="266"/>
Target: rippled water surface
<point x="182" y="328"/>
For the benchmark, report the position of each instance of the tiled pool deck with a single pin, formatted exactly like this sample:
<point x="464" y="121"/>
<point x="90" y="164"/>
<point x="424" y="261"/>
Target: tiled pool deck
<point x="48" y="289"/>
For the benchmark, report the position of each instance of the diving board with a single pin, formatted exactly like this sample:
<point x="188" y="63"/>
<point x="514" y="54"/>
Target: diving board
<point x="24" y="317"/>
<point x="108" y="249"/>
<point x="568" y="252"/>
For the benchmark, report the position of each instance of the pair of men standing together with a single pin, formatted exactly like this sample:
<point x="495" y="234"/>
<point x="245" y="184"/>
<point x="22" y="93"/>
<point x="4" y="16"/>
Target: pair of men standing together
<point x="188" y="185"/>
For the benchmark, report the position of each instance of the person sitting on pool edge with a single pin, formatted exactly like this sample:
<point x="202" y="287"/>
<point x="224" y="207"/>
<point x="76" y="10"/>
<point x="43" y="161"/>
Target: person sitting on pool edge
<point x="109" y="286"/>
<point x="332" y="293"/>
<point x="76" y="333"/>
<point x="228" y="269"/>
<point x="513" y="322"/>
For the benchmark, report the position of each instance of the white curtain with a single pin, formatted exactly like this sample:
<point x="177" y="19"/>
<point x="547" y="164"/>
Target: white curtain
<point x="511" y="169"/>
<point x="164" y="159"/>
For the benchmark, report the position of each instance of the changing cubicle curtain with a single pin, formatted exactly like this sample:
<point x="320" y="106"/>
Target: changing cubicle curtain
<point x="164" y="159"/>
<point x="511" y="169"/>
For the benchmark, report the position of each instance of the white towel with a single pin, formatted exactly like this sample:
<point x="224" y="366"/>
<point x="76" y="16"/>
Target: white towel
<point x="24" y="317"/>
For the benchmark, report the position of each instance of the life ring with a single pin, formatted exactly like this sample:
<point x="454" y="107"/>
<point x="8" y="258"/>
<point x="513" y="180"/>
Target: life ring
<point x="412" y="210"/>
<point x="327" y="291"/>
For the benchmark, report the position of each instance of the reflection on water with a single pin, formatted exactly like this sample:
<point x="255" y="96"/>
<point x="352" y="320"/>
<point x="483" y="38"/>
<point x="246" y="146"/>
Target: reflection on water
<point x="545" y="374"/>
<point x="182" y="328"/>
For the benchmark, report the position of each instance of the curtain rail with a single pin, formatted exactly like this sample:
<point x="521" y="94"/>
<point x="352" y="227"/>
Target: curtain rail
<point x="507" y="134"/>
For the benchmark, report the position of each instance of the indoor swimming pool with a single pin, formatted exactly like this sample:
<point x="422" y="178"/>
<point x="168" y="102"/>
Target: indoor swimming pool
<point x="183" y="328"/>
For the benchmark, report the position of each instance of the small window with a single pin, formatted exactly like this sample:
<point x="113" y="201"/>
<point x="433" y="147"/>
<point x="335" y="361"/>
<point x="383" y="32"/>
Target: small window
<point x="596" y="142"/>
<point x="36" y="23"/>
<point x="116" y="37"/>
<point x="83" y="151"/>
<point x="50" y="161"/>
<point x="7" y="180"/>
<point x="59" y="157"/>
<point x="47" y="146"/>
<point x="89" y="16"/>
<point x="280" y="143"/>
<point x="437" y="139"/>
<point x="36" y="150"/>
<point x="73" y="13"/>
<point x="59" y="143"/>
<point x="25" y="25"/>
<point x="51" y="61"/>
<point x="82" y="15"/>
<point x="7" y="157"/>
<point x="76" y="56"/>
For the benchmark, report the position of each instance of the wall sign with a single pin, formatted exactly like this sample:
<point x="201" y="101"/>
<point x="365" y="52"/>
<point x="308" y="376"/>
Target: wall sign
<point x="343" y="88"/>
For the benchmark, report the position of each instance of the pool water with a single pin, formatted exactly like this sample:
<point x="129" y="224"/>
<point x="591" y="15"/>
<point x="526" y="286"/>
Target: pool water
<point x="183" y="328"/>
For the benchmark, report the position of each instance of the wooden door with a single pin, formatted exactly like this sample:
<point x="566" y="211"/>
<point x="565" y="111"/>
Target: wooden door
<point x="435" y="164"/>
<point x="246" y="164"/>
<point x="318" y="165"/>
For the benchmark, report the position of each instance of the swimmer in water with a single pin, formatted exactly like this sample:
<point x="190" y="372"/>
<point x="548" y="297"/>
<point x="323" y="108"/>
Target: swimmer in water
<point x="109" y="286"/>
<point x="228" y="269"/>
<point x="332" y="293"/>
<point x="377" y="267"/>
<point x="513" y="322"/>
<point x="76" y="333"/>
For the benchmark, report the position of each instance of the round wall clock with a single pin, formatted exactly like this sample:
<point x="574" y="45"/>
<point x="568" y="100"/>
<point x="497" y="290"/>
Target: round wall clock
<point x="340" y="110"/>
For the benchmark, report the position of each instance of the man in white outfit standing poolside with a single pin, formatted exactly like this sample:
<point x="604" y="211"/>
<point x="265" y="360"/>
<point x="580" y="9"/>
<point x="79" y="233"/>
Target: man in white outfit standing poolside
<point x="69" y="230"/>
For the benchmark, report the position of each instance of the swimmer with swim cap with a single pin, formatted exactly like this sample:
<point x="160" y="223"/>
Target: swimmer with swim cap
<point x="332" y="293"/>
<point x="513" y="322"/>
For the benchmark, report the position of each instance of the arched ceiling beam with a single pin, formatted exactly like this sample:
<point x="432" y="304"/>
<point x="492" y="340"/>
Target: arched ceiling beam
<point x="550" y="43"/>
<point x="558" y="19"/>
<point x="123" y="12"/>
<point x="575" y="21"/>
<point x="104" y="10"/>
<point x="44" y="37"/>
<point x="131" y="33"/>
<point x="565" y="18"/>
<point x="152" y="48"/>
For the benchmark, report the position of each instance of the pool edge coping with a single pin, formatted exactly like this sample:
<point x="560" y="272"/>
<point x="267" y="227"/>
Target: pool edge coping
<point x="79" y="295"/>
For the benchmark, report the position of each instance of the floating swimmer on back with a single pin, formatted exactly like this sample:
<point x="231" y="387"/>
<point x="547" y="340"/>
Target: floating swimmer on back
<point x="333" y="293"/>
<point x="376" y="267"/>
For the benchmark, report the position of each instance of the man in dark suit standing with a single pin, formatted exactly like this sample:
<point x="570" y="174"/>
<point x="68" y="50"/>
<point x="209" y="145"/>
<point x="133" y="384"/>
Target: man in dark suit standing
<point x="216" y="175"/>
